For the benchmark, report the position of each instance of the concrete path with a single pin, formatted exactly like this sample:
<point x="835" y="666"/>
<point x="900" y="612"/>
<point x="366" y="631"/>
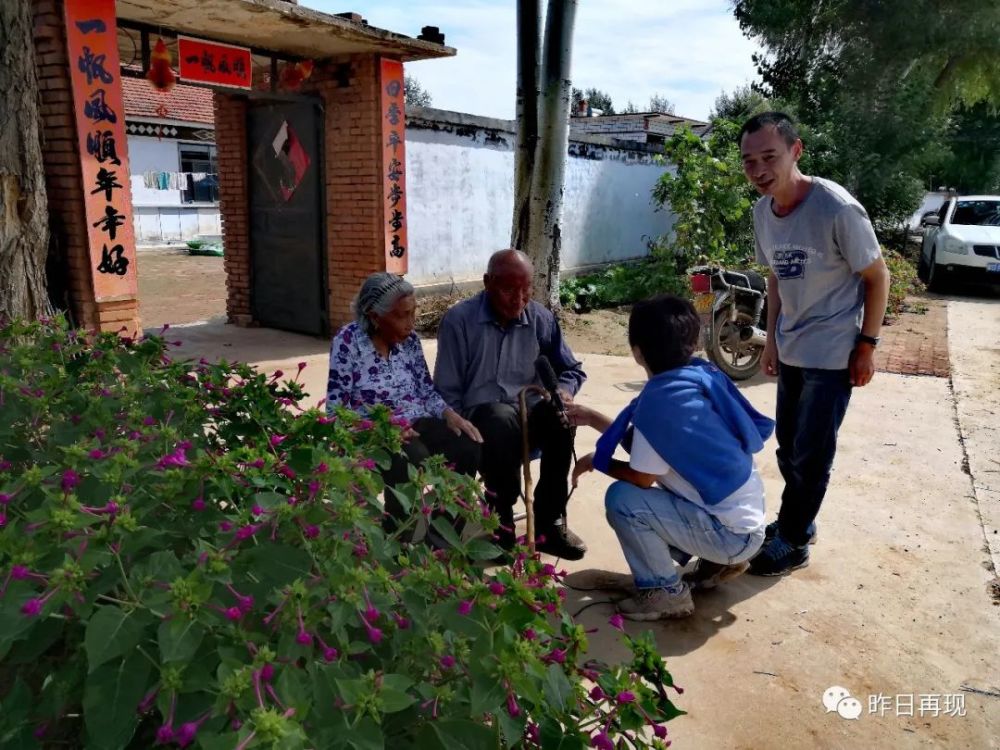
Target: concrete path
<point x="895" y="601"/>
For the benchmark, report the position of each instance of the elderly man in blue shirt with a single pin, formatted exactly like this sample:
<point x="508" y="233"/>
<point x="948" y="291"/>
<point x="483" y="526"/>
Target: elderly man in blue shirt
<point x="487" y="347"/>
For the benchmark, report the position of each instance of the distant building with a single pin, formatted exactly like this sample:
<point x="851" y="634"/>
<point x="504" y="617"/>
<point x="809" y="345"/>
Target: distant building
<point x="172" y="155"/>
<point x="640" y="127"/>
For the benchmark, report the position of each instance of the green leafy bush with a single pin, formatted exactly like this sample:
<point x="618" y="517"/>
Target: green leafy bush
<point x="622" y="284"/>
<point x="708" y="195"/>
<point x="903" y="282"/>
<point x="189" y="557"/>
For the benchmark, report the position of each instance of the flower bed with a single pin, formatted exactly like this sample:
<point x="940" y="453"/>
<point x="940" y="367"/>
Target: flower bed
<point x="189" y="557"/>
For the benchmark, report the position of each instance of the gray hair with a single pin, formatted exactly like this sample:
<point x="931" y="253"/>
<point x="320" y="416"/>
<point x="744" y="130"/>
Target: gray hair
<point x="378" y="294"/>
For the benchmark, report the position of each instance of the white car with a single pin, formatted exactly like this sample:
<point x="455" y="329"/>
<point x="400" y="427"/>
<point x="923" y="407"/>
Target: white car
<point x="962" y="241"/>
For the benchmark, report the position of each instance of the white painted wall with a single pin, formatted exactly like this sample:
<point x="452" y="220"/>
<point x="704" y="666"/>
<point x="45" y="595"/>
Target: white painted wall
<point x="159" y="216"/>
<point x="460" y="199"/>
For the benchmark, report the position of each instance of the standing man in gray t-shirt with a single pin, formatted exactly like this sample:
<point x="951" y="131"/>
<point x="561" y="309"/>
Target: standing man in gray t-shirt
<point x="826" y="297"/>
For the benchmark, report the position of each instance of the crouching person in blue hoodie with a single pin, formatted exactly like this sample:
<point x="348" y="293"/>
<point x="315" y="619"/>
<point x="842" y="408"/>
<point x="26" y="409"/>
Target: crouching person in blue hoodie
<point x="690" y="487"/>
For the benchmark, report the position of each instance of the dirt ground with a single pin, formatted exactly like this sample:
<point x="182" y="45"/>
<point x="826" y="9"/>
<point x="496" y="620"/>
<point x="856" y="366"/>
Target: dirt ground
<point x="177" y="288"/>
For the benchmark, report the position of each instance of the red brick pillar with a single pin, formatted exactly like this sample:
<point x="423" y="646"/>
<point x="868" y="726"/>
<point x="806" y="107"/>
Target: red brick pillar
<point x="231" y="150"/>
<point x="63" y="177"/>
<point x="355" y="243"/>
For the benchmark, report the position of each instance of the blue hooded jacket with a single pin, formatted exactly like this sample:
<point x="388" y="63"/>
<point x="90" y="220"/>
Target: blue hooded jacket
<point x="698" y="422"/>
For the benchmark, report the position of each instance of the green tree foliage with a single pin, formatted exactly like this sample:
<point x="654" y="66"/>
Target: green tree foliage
<point x="415" y="94"/>
<point x="596" y="98"/>
<point x="878" y="86"/>
<point x="659" y="103"/>
<point x="708" y="195"/>
<point x="744" y="102"/>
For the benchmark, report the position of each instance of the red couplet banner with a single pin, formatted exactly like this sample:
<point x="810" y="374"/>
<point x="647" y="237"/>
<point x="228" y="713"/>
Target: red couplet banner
<point x="95" y="72"/>
<point x="393" y="165"/>
<point x="214" y="63"/>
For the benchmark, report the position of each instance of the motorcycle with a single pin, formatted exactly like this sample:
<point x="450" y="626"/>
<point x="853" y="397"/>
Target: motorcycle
<point x="733" y="309"/>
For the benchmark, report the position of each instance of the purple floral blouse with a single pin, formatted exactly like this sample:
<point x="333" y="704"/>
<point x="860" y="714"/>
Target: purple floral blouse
<point x="360" y="377"/>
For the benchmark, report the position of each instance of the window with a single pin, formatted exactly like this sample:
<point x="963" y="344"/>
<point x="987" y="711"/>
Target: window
<point x="984" y="213"/>
<point x="198" y="163"/>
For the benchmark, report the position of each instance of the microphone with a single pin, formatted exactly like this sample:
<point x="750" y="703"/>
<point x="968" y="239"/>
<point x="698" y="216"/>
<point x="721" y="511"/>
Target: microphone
<point x="550" y="383"/>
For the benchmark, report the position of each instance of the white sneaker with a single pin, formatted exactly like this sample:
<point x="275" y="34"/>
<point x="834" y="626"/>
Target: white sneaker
<point x="658" y="604"/>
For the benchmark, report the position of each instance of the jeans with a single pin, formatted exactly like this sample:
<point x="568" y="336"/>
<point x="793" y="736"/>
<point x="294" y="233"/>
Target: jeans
<point x="500" y="426"/>
<point x="811" y="407"/>
<point x="655" y="527"/>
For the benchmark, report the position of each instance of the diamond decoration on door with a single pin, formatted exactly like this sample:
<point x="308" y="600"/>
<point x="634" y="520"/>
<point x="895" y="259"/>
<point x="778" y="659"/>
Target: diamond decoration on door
<point x="282" y="162"/>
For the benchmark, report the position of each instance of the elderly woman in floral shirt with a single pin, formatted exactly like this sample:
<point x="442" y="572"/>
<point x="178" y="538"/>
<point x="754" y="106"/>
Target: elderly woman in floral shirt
<point x="377" y="359"/>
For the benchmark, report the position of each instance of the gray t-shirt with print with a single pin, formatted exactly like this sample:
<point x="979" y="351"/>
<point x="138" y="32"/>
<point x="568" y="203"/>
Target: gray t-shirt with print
<point x="816" y="253"/>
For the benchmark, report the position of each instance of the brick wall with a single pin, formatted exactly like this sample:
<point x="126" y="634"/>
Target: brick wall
<point x="63" y="179"/>
<point x="231" y="145"/>
<point x="348" y="87"/>
<point x="352" y="143"/>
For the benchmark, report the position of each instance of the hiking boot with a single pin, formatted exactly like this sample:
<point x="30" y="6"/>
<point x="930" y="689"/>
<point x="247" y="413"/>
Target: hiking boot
<point x="778" y="557"/>
<point x="707" y="574"/>
<point x="771" y="531"/>
<point x="658" y="604"/>
<point x="559" y="541"/>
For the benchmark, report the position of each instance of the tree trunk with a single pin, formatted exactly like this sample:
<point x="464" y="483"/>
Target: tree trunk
<point x="24" y="230"/>
<point x="542" y="139"/>
<point x="545" y="238"/>
<point x="529" y="25"/>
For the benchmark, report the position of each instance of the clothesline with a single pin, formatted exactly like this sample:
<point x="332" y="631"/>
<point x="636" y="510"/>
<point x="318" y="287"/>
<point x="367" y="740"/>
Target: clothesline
<point x="159" y="180"/>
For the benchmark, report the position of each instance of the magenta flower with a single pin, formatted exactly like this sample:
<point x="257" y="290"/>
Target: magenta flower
<point x="287" y="472"/>
<point x="556" y="655"/>
<point x="465" y="607"/>
<point x="19" y="572"/>
<point x="371" y="613"/>
<point x="322" y="468"/>
<point x="311" y="531"/>
<point x="165" y="735"/>
<point x="374" y="634"/>
<point x="267" y="672"/>
<point x="257" y="463"/>
<point x="602" y="742"/>
<point x="175" y="460"/>
<point x="32" y="607"/>
<point x="4" y="498"/>
<point x="303" y="638"/>
<point x="596" y="694"/>
<point x="198" y="505"/>
<point x="660" y="731"/>
<point x="70" y="479"/>
<point x="447" y="661"/>
<point x="497" y="588"/>
<point x="97" y="454"/>
<point x="148" y="421"/>
<point x="512" y="708"/>
<point x="278" y="374"/>
<point x="225" y="526"/>
<point x="529" y="634"/>
<point x="365" y="424"/>
<point x="401" y="622"/>
<point x="257" y="510"/>
<point x="245" y="532"/>
<point x="626" y="696"/>
<point x="277" y="440"/>
<point x="617" y="622"/>
<point x="329" y="654"/>
<point x="301" y="366"/>
<point x="234" y="613"/>
<point x="368" y="464"/>
<point x="186" y="733"/>
<point x="3" y="520"/>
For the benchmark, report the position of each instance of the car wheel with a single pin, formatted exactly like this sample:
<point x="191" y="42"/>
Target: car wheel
<point x="935" y="274"/>
<point x="922" y="268"/>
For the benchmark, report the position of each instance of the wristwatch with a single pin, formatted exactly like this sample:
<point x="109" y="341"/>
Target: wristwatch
<point x="873" y="340"/>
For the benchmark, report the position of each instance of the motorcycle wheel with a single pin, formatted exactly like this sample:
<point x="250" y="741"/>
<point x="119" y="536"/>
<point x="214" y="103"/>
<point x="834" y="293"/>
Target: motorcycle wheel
<point x="724" y="348"/>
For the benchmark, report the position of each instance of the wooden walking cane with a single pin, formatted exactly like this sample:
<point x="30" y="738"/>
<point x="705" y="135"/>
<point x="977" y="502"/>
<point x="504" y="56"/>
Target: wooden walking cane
<point x="529" y="503"/>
